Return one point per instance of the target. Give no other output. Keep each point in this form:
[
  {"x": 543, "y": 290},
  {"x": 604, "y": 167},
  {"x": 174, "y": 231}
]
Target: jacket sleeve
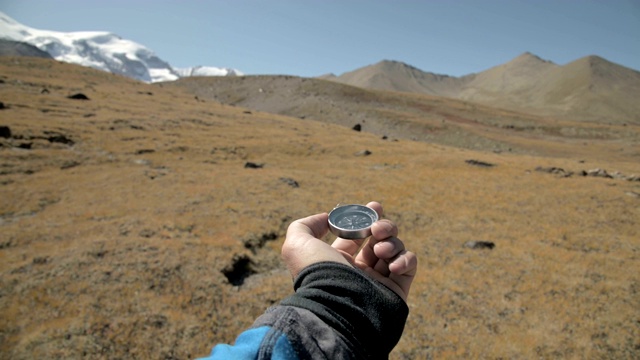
[{"x": 336, "y": 312}]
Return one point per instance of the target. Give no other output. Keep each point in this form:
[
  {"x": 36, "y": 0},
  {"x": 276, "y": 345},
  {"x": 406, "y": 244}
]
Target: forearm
[{"x": 337, "y": 312}]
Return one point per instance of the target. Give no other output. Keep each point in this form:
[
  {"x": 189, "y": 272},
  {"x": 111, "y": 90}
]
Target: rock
[
  {"x": 144, "y": 151},
  {"x": 479, "y": 245},
  {"x": 479, "y": 163},
  {"x": 363, "y": 153},
  {"x": 59, "y": 138},
  {"x": 290, "y": 182},
  {"x": 251, "y": 165},
  {"x": 357, "y": 127},
  {"x": 554, "y": 170},
  {"x": 78, "y": 96},
  {"x": 5, "y": 132},
  {"x": 597, "y": 173}
]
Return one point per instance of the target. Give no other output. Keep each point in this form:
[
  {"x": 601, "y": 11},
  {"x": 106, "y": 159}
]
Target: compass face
[{"x": 352, "y": 221}]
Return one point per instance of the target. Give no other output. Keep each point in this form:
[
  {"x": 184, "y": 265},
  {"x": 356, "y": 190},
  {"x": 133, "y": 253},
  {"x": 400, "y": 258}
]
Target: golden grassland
[{"x": 115, "y": 244}]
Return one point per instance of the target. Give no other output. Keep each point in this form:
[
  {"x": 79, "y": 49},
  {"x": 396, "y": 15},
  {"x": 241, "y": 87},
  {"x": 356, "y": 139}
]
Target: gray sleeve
[{"x": 339, "y": 312}]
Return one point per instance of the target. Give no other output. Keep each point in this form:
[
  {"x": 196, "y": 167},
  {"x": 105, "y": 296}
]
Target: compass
[{"x": 352, "y": 221}]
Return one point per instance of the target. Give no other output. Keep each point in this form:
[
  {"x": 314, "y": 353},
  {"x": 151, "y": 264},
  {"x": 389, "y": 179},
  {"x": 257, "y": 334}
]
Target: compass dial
[{"x": 352, "y": 221}]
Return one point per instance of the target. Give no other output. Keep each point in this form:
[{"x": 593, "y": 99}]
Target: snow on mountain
[
  {"x": 206, "y": 71},
  {"x": 102, "y": 50}
]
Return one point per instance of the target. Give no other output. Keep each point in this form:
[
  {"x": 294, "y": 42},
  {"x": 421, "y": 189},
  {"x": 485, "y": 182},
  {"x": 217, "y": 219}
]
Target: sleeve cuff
[{"x": 367, "y": 313}]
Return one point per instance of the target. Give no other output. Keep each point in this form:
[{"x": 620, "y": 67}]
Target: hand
[{"x": 383, "y": 257}]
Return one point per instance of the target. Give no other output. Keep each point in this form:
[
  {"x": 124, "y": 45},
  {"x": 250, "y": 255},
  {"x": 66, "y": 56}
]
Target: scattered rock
[
  {"x": 40, "y": 260},
  {"x": 554, "y": 170},
  {"x": 59, "y": 138},
  {"x": 290, "y": 182},
  {"x": 251, "y": 165},
  {"x": 156, "y": 172},
  {"x": 363, "y": 153},
  {"x": 597, "y": 173},
  {"x": 145, "y": 151},
  {"x": 78, "y": 96},
  {"x": 593, "y": 173},
  {"x": 5, "y": 132},
  {"x": 357, "y": 127},
  {"x": 479, "y": 163},
  {"x": 2, "y": 106},
  {"x": 69, "y": 165},
  {"x": 479, "y": 245}
]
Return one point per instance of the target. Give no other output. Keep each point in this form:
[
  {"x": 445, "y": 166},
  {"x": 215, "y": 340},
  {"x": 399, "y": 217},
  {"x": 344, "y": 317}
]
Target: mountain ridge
[{"x": 590, "y": 88}]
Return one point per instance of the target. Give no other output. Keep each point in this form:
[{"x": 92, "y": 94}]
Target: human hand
[{"x": 383, "y": 257}]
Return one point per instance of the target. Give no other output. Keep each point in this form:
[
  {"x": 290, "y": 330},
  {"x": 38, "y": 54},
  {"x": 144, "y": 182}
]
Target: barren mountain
[
  {"x": 398, "y": 76},
  {"x": 591, "y": 88},
  {"x": 513, "y": 79},
  {"x": 140, "y": 222}
]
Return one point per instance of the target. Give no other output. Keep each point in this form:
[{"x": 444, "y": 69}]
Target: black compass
[{"x": 352, "y": 221}]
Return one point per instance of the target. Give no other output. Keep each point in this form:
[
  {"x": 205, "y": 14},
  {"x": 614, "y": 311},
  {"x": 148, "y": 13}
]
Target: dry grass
[{"x": 116, "y": 246}]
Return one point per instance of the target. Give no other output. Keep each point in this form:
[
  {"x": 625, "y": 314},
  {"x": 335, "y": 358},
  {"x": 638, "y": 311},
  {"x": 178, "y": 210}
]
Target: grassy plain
[{"x": 125, "y": 219}]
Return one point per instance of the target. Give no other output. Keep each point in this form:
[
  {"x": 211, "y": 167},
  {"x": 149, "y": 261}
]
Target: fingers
[
  {"x": 351, "y": 247},
  {"x": 377, "y": 207},
  {"x": 386, "y": 251},
  {"x": 381, "y": 230},
  {"x": 402, "y": 271}
]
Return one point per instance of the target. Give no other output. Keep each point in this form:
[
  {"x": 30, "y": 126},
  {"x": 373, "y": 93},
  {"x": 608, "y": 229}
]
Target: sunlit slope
[{"x": 145, "y": 223}]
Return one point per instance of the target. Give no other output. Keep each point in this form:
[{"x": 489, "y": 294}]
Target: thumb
[{"x": 303, "y": 247}]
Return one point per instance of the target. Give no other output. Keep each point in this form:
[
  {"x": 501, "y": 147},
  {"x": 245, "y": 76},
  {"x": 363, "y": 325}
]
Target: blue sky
[{"x": 311, "y": 38}]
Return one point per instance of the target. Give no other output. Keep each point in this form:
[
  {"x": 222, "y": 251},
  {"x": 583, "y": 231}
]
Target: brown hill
[
  {"x": 397, "y": 115},
  {"x": 513, "y": 80},
  {"x": 591, "y": 88},
  {"x": 398, "y": 76},
  {"x": 131, "y": 227}
]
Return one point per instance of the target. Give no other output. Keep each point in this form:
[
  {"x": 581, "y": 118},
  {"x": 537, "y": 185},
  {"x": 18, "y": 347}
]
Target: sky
[{"x": 311, "y": 38}]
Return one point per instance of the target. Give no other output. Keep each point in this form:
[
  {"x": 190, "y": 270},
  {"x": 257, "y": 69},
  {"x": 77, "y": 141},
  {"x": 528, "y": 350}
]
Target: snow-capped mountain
[{"x": 102, "y": 50}]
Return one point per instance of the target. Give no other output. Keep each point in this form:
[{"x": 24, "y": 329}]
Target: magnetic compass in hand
[{"x": 352, "y": 221}]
